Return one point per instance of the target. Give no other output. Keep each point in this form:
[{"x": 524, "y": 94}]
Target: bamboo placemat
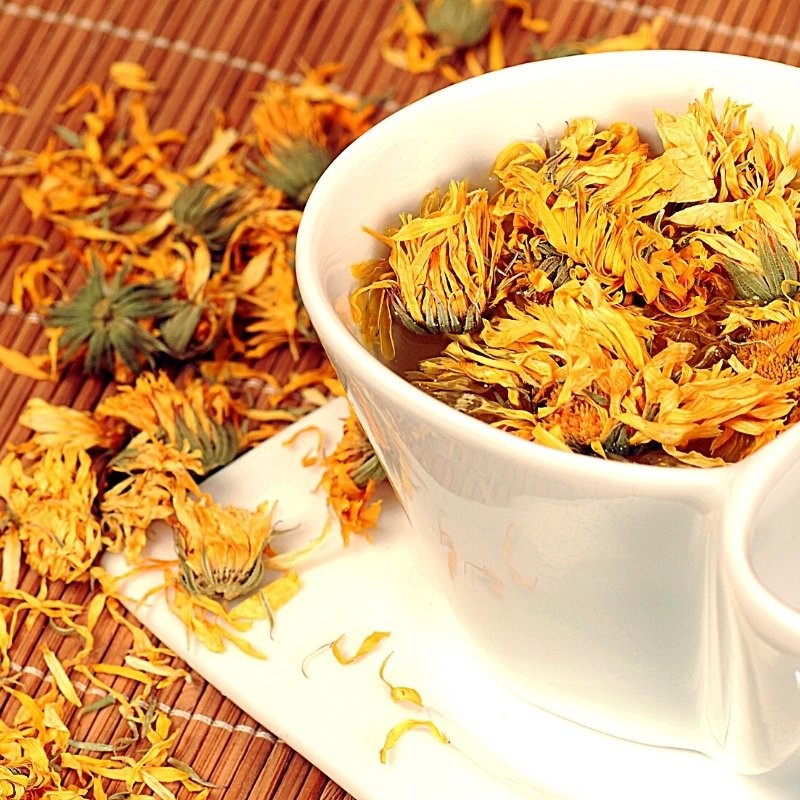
[{"x": 206, "y": 55}]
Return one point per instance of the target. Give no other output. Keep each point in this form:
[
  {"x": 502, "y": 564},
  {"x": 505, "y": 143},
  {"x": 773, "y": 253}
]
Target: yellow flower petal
[
  {"x": 11, "y": 561},
  {"x": 21, "y": 364},
  {"x": 366, "y": 647},
  {"x": 272, "y": 597},
  {"x": 129, "y": 75},
  {"x": 60, "y": 676},
  {"x": 402, "y": 728},
  {"x": 400, "y": 694}
]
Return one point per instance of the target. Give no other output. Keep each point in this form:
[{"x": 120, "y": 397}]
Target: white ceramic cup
[{"x": 654, "y": 603}]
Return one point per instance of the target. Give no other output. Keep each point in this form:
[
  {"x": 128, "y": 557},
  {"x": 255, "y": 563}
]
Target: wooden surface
[{"x": 207, "y": 54}]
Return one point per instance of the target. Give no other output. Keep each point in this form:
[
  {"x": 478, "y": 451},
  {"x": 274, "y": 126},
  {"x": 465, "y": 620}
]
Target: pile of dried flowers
[
  {"x": 188, "y": 287},
  {"x": 41, "y": 754},
  {"x": 606, "y": 299}
]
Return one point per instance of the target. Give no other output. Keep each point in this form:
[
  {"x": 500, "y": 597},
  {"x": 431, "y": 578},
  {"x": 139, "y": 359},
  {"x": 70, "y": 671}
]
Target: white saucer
[{"x": 501, "y": 747}]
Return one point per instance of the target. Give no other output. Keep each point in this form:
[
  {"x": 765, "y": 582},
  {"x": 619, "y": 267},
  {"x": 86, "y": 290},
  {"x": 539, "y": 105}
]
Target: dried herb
[
  {"x": 632, "y": 304},
  {"x": 110, "y": 319}
]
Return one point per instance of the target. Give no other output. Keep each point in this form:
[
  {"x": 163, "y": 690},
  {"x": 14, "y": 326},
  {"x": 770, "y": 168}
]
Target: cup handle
[{"x": 753, "y": 678}]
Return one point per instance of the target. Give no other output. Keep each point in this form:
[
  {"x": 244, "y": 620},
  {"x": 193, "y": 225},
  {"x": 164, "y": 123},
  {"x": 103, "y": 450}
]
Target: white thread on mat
[
  {"x": 684, "y": 20},
  {"x": 11, "y": 310},
  {"x": 46, "y": 677},
  {"x": 110, "y": 28},
  {"x": 189, "y": 716},
  {"x": 221, "y": 724}
]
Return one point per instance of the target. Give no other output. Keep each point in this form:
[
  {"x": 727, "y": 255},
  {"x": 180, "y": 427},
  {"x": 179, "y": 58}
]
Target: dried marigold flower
[
  {"x": 440, "y": 273},
  {"x": 581, "y": 422},
  {"x": 176, "y": 433},
  {"x": 352, "y": 474},
  {"x": 110, "y": 320},
  {"x": 778, "y": 275},
  {"x": 423, "y": 37},
  {"x": 405, "y": 42},
  {"x": 292, "y": 141},
  {"x": 693, "y": 412},
  {"x": 772, "y": 349},
  {"x": 143, "y": 480},
  {"x": 201, "y": 209},
  {"x": 49, "y": 503},
  {"x": 269, "y": 310},
  {"x": 221, "y": 549},
  {"x": 195, "y": 416}
]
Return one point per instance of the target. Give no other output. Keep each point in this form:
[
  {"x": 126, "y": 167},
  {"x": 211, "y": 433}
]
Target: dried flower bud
[
  {"x": 440, "y": 274},
  {"x": 221, "y": 549},
  {"x": 178, "y": 331},
  {"x": 108, "y": 320},
  {"x": 208, "y": 212},
  {"x": 352, "y": 472},
  {"x": 778, "y": 267},
  {"x": 295, "y": 169},
  {"x": 194, "y": 417},
  {"x": 292, "y": 140},
  {"x": 460, "y": 23}
]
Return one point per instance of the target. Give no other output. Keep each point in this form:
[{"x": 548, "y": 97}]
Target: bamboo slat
[{"x": 206, "y": 55}]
